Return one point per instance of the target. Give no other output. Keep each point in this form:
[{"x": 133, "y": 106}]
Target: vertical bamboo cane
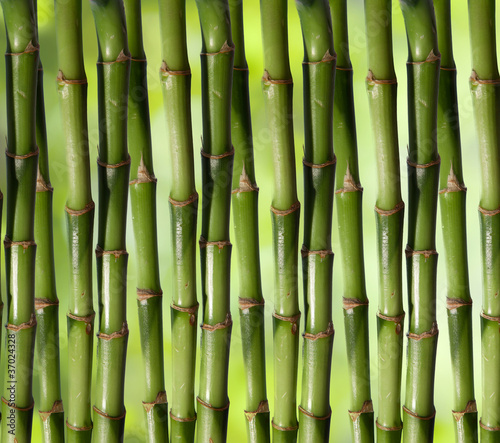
[
  {"x": 421, "y": 256},
  {"x": 113, "y": 168},
  {"x": 389, "y": 212},
  {"x": 246, "y": 230},
  {"x": 176, "y": 82},
  {"x": 349, "y": 212},
  {"x": 143, "y": 202},
  {"x": 485, "y": 83},
  {"x": 215, "y": 248},
  {"x": 20, "y": 248},
  {"x": 452, "y": 196}
]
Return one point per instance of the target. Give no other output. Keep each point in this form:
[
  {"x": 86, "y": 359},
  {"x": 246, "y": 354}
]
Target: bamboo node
[
  {"x": 327, "y": 58},
  {"x": 328, "y": 332},
  {"x": 290, "y": 210},
  {"x": 245, "y": 185},
  {"x": 8, "y": 243},
  {"x": 352, "y": 303},
  {"x": 344, "y": 68},
  {"x": 165, "y": 70},
  {"x": 427, "y": 334},
  {"x": 88, "y": 319},
  {"x": 423, "y": 165},
  {"x": 266, "y": 79},
  {"x": 349, "y": 184},
  {"x": 26, "y": 325},
  {"x": 117, "y": 334},
  {"x": 221, "y": 244},
  {"x": 413, "y": 414},
  {"x": 389, "y": 429},
  {"x": 455, "y": 303},
  {"x": 213, "y": 408},
  {"x": 57, "y": 408},
  {"x": 192, "y": 198},
  {"x": 62, "y": 80},
  {"x": 263, "y": 408},
  {"x": 109, "y": 417},
  {"x": 42, "y": 303},
  {"x": 143, "y": 175},
  {"x": 489, "y": 428},
  {"x": 240, "y": 68},
  {"x": 427, "y": 253},
  {"x": 146, "y": 294},
  {"x": 323, "y": 253},
  {"x": 17, "y": 408},
  {"x": 489, "y": 213},
  {"x": 293, "y": 320},
  {"x": 471, "y": 408},
  {"x": 311, "y": 415},
  {"x": 227, "y": 323},
  {"x": 191, "y": 310},
  {"x": 78, "y": 429},
  {"x": 218, "y": 157},
  {"x": 122, "y": 57},
  {"x": 248, "y": 303},
  {"x": 28, "y": 50},
  {"x": 115, "y": 165},
  {"x": 453, "y": 185},
  {"x": 224, "y": 49},
  {"x": 77, "y": 212},
  {"x": 396, "y": 319},
  {"x": 320, "y": 165},
  {"x": 41, "y": 184},
  {"x": 182, "y": 419},
  {"x": 367, "y": 408},
  {"x": 284, "y": 429},
  {"x": 24, "y": 156},
  {"x": 475, "y": 80},
  {"x": 161, "y": 399},
  {"x": 99, "y": 252},
  {"x": 398, "y": 208},
  {"x": 490, "y": 317},
  {"x": 431, "y": 58},
  {"x": 371, "y": 80}
]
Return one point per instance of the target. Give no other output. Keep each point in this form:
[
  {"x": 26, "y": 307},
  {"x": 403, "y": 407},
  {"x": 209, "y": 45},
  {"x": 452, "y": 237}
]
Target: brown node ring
[
  {"x": 311, "y": 415},
  {"x": 427, "y": 253},
  {"x": 323, "y": 253},
  {"x": 57, "y": 408},
  {"x": 490, "y": 317},
  {"x": 24, "y": 156},
  {"x": 293, "y": 320},
  {"x": 209, "y": 406},
  {"x": 266, "y": 78},
  {"x": 471, "y": 408},
  {"x": 17, "y": 408},
  {"x": 221, "y": 244},
  {"x": 427, "y": 334},
  {"x": 372, "y": 80},
  {"x": 161, "y": 399},
  {"x": 320, "y": 165},
  {"x": 99, "y": 252},
  {"x": 352, "y": 303},
  {"x": 86, "y": 319},
  {"x": 399, "y": 207},
  {"x": 328, "y": 332},
  {"x": 227, "y": 323},
  {"x": 26, "y": 325},
  {"x": 367, "y": 408},
  {"x": 146, "y": 294},
  {"x": 263, "y": 408},
  {"x": 109, "y": 417},
  {"x": 475, "y": 79},
  {"x": 284, "y": 429},
  {"x": 122, "y": 57},
  {"x": 218, "y": 157},
  {"x": 288, "y": 211},
  {"x": 29, "y": 49},
  {"x": 115, "y": 165},
  {"x": 8, "y": 243},
  {"x": 78, "y": 429},
  {"x": 389, "y": 429},
  {"x": 455, "y": 303},
  {"x": 225, "y": 48},
  {"x": 414, "y": 415},
  {"x": 249, "y": 303},
  {"x": 166, "y": 70},
  {"x": 117, "y": 334},
  {"x": 489, "y": 428},
  {"x": 423, "y": 165},
  {"x": 192, "y": 198},
  {"x": 181, "y": 419},
  {"x": 77, "y": 212},
  {"x": 489, "y": 213},
  {"x": 42, "y": 303}
]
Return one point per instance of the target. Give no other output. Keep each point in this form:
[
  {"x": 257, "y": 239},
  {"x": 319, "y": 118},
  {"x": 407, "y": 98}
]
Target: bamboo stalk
[
  {"x": 349, "y": 193},
  {"x": 381, "y": 85},
  {"x": 72, "y": 89},
  {"x": 421, "y": 256},
  {"x": 452, "y": 198},
  {"x": 278, "y": 90},
  {"x": 176, "y": 82},
  {"x": 484, "y": 83},
  {"x": 215, "y": 248},
  {"x": 46, "y": 302},
  {"x": 246, "y": 230},
  {"x": 22, "y": 56},
  {"x": 113, "y": 168},
  {"x": 317, "y": 256},
  {"x": 143, "y": 202}
]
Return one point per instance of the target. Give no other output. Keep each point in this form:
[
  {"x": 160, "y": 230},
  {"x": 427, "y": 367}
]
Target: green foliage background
[{"x": 340, "y": 384}]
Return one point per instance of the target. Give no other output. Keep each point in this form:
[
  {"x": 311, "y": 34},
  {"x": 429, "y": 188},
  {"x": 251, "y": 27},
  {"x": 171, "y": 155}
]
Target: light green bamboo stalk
[
  {"x": 278, "y": 90},
  {"x": 246, "y": 230},
  {"x": 485, "y": 83},
  {"x": 46, "y": 302},
  {"x": 114, "y": 163},
  {"x": 349, "y": 212},
  {"x": 389, "y": 212},
  {"x": 72, "y": 88},
  {"x": 421, "y": 256},
  {"x": 452, "y": 196},
  {"x": 143, "y": 200},
  {"x": 20, "y": 248},
  {"x": 176, "y": 82},
  {"x": 215, "y": 248},
  {"x": 317, "y": 256}
]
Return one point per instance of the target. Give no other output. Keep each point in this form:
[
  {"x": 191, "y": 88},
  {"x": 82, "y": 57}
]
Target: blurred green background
[{"x": 340, "y": 428}]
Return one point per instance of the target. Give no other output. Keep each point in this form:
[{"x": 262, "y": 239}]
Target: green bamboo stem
[
  {"x": 421, "y": 256},
  {"x": 485, "y": 82},
  {"x": 246, "y": 230},
  {"x": 113, "y": 173},
  {"x": 215, "y": 248},
  {"x": 349, "y": 194},
  {"x": 278, "y": 90},
  {"x": 381, "y": 85},
  {"x": 143, "y": 202},
  {"x": 452, "y": 197},
  {"x": 46, "y": 302},
  {"x": 176, "y": 82},
  {"x": 317, "y": 256},
  {"x": 72, "y": 89},
  {"x": 22, "y": 56}
]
